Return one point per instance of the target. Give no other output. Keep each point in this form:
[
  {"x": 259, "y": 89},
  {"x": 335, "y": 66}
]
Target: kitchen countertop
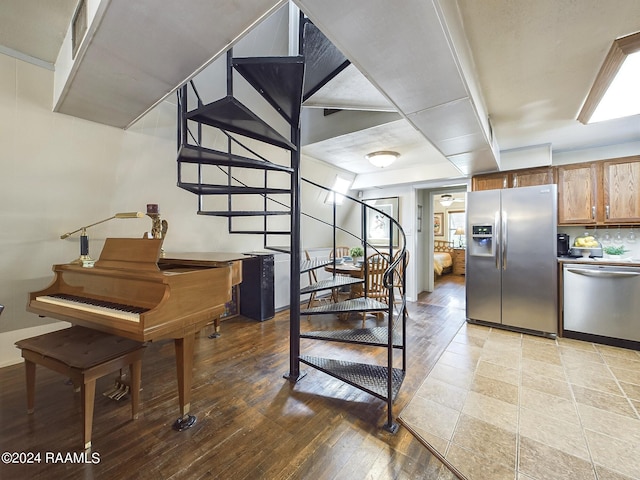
[{"x": 625, "y": 262}]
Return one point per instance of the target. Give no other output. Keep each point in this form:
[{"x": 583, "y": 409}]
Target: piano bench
[{"x": 84, "y": 355}]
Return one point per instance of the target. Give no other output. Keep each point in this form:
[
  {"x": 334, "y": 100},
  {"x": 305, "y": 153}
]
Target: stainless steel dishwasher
[{"x": 602, "y": 300}]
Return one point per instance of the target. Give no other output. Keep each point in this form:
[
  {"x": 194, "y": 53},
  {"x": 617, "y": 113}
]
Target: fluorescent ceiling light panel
[
  {"x": 614, "y": 93},
  {"x": 622, "y": 98}
]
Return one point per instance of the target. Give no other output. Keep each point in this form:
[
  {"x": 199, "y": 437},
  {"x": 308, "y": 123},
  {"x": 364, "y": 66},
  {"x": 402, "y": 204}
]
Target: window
[
  {"x": 340, "y": 186},
  {"x": 79, "y": 27},
  {"x": 457, "y": 221}
]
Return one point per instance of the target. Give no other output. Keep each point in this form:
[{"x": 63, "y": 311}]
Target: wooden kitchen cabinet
[
  {"x": 490, "y": 181},
  {"x": 621, "y": 190},
  {"x": 605, "y": 192},
  {"x": 531, "y": 177},
  {"x": 578, "y": 194},
  {"x": 602, "y": 193},
  {"x": 513, "y": 179}
]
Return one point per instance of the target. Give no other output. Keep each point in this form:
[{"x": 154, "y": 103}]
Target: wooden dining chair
[
  {"x": 377, "y": 264},
  {"x": 313, "y": 278},
  {"x": 339, "y": 252},
  {"x": 397, "y": 275}
]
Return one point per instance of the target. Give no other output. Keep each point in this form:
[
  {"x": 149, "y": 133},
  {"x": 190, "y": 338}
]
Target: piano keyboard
[{"x": 111, "y": 309}]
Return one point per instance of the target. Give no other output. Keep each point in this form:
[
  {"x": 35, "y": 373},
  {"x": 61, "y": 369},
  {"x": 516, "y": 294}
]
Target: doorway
[{"x": 443, "y": 240}]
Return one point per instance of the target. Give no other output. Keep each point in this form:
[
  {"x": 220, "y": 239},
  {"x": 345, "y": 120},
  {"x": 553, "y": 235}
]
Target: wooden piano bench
[{"x": 84, "y": 355}]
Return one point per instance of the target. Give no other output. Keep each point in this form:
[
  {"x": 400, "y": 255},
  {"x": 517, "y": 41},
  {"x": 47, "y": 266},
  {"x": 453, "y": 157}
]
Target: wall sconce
[
  {"x": 382, "y": 159},
  {"x": 84, "y": 259}
]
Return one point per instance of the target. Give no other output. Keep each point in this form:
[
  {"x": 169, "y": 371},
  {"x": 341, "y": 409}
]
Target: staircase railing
[
  {"x": 229, "y": 116},
  {"x": 394, "y": 338}
]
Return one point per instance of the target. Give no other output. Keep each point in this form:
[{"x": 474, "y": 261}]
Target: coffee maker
[{"x": 563, "y": 244}]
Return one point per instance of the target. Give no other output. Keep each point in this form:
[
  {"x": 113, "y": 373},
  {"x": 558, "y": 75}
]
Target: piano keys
[
  {"x": 110, "y": 309},
  {"x": 174, "y": 301}
]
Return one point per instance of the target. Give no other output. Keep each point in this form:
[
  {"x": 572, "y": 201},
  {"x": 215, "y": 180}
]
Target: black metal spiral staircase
[{"x": 217, "y": 152}]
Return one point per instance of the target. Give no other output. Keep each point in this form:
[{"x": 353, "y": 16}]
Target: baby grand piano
[{"x": 126, "y": 293}]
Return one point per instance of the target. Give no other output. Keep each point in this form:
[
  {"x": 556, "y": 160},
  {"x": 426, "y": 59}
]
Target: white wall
[
  {"x": 59, "y": 173},
  {"x": 407, "y": 219}
]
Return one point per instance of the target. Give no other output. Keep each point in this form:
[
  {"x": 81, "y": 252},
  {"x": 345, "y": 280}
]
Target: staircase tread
[
  {"x": 243, "y": 213},
  {"x": 208, "y": 156},
  {"x": 376, "y": 336},
  {"x": 210, "y": 189},
  {"x": 312, "y": 264},
  {"x": 333, "y": 282},
  {"x": 324, "y": 60},
  {"x": 372, "y": 379},
  {"x": 261, "y": 232},
  {"x": 229, "y": 114},
  {"x": 278, "y": 79},
  {"x": 361, "y": 304},
  {"x": 275, "y": 248}
]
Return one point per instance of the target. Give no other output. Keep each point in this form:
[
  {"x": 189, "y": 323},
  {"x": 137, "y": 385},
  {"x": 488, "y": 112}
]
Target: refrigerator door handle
[
  {"x": 496, "y": 237},
  {"x": 504, "y": 240}
]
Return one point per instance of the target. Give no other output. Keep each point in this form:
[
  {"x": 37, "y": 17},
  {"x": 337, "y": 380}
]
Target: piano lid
[{"x": 130, "y": 254}]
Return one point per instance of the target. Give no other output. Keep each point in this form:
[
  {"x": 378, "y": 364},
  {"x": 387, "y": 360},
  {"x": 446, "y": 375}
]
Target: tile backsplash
[{"x": 629, "y": 244}]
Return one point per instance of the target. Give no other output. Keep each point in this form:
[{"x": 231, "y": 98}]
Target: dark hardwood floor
[{"x": 252, "y": 423}]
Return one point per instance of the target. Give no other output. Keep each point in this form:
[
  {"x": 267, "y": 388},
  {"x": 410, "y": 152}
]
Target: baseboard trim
[{"x": 9, "y": 354}]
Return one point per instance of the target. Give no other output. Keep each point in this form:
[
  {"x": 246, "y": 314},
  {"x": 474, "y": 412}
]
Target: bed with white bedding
[{"x": 442, "y": 257}]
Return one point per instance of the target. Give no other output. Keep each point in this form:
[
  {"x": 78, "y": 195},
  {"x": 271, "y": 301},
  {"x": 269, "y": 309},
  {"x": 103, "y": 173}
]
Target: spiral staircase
[{"x": 217, "y": 161}]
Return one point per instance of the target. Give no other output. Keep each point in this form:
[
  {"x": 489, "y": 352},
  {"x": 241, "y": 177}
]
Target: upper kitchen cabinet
[
  {"x": 621, "y": 190},
  {"x": 578, "y": 194},
  {"x": 532, "y": 177},
  {"x": 513, "y": 179},
  {"x": 490, "y": 181},
  {"x": 605, "y": 192}
]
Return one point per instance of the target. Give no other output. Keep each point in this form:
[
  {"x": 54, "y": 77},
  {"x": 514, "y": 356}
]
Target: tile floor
[{"x": 502, "y": 405}]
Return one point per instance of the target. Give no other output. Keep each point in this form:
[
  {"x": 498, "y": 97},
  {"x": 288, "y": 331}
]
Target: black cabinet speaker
[{"x": 256, "y": 290}]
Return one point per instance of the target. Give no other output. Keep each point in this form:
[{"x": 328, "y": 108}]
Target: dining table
[{"x": 351, "y": 269}]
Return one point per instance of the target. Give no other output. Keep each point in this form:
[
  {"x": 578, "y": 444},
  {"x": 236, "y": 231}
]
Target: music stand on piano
[{"x": 84, "y": 259}]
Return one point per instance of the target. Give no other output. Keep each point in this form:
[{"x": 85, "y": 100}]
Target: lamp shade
[
  {"x": 382, "y": 159},
  {"x": 459, "y": 231}
]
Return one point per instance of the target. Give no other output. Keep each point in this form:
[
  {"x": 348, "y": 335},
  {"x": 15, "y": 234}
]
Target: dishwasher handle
[{"x": 602, "y": 274}]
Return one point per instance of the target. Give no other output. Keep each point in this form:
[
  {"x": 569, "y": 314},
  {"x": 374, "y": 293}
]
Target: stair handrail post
[
  {"x": 363, "y": 229},
  {"x": 404, "y": 310},
  {"x": 294, "y": 283},
  {"x": 334, "y": 223},
  {"x": 229, "y": 183},
  {"x": 230, "y": 72}
]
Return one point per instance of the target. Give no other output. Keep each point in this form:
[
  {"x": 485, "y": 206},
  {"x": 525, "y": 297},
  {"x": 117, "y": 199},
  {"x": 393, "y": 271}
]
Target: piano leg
[
  {"x": 216, "y": 328},
  {"x": 184, "y": 362}
]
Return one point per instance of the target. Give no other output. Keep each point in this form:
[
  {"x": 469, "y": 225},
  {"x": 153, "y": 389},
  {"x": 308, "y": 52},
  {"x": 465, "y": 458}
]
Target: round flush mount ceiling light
[
  {"x": 382, "y": 159},
  {"x": 446, "y": 200}
]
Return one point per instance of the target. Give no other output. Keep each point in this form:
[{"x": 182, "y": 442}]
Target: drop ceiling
[
  {"x": 34, "y": 30},
  {"x": 444, "y": 66}
]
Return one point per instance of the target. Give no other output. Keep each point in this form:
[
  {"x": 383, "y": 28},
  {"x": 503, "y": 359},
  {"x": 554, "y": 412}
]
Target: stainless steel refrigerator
[{"x": 511, "y": 272}]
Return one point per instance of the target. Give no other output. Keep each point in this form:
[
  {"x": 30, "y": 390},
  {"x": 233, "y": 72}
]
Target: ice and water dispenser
[{"x": 482, "y": 242}]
